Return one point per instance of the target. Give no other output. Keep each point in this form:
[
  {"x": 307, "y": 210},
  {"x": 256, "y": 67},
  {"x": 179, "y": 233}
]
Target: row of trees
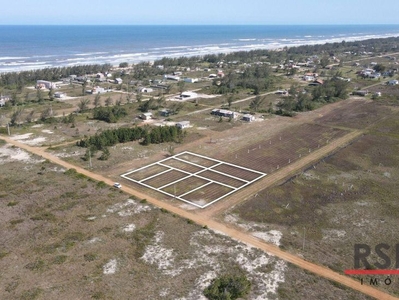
[
  {"x": 109, "y": 114},
  {"x": 332, "y": 90},
  {"x": 147, "y": 135},
  {"x": 256, "y": 77}
]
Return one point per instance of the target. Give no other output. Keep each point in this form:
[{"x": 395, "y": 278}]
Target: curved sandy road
[{"x": 236, "y": 234}]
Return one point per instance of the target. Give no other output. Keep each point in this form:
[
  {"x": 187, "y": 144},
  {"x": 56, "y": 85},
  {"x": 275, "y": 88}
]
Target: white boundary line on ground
[{"x": 195, "y": 174}]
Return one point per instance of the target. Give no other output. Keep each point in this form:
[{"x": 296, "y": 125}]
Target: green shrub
[
  {"x": 101, "y": 184},
  {"x": 228, "y": 287},
  {"x": 59, "y": 259},
  {"x": 89, "y": 256}
]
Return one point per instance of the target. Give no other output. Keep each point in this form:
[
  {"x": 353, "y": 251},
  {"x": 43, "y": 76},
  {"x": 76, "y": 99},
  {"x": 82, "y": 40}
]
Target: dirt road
[{"x": 234, "y": 233}]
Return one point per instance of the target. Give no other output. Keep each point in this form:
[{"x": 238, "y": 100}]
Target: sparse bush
[
  {"x": 36, "y": 265},
  {"x": 59, "y": 259},
  {"x": 228, "y": 287},
  {"x": 15, "y": 222},
  {"x": 3, "y": 254},
  {"x": 101, "y": 184},
  {"x": 90, "y": 256},
  {"x": 31, "y": 294}
]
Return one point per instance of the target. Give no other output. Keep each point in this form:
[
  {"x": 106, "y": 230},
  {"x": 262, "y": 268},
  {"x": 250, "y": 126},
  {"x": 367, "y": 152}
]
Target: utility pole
[
  {"x": 303, "y": 246},
  {"x": 8, "y": 128},
  {"x": 90, "y": 159}
]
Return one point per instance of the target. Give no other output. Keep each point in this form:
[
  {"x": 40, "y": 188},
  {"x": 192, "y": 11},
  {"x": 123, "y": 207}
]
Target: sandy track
[{"x": 234, "y": 233}]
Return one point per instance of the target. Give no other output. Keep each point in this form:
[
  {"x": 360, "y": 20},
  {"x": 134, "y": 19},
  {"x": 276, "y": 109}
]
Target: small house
[
  {"x": 308, "y": 78},
  {"x": 186, "y": 95},
  {"x": 190, "y": 80},
  {"x": 172, "y": 77},
  {"x": 98, "y": 90},
  {"x": 3, "y": 100},
  {"x": 393, "y": 82},
  {"x": 165, "y": 112},
  {"x": 43, "y": 84},
  {"x": 118, "y": 80},
  {"x": 183, "y": 124},
  {"x": 248, "y": 118},
  {"x": 361, "y": 93},
  {"x": 146, "y": 116},
  {"x": 224, "y": 113},
  {"x": 146, "y": 90}
]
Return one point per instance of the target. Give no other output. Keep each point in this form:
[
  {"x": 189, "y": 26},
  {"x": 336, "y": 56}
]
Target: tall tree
[
  {"x": 83, "y": 105},
  {"x": 108, "y": 102},
  {"x": 256, "y": 103},
  {"x": 97, "y": 101},
  {"x": 16, "y": 117}
]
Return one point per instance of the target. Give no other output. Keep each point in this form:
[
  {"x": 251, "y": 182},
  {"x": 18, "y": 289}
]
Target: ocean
[{"x": 36, "y": 47}]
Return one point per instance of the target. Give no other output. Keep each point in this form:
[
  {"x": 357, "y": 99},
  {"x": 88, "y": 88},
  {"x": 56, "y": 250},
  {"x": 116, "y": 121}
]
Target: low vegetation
[{"x": 228, "y": 287}]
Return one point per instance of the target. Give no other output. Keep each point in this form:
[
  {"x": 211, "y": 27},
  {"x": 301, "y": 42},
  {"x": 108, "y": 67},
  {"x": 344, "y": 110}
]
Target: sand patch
[
  {"x": 47, "y": 131},
  {"x": 94, "y": 240},
  {"x": 110, "y": 267},
  {"x": 272, "y": 236},
  {"x": 9, "y": 153},
  {"x": 25, "y": 138},
  {"x": 36, "y": 141},
  {"x": 158, "y": 255},
  {"x": 129, "y": 228},
  {"x": 333, "y": 234},
  {"x": 19, "y": 137}
]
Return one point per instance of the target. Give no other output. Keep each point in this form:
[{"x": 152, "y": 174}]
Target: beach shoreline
[{"x": 150, "y": 48}]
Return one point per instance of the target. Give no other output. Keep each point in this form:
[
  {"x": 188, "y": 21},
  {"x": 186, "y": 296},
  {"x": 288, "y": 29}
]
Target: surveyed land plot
[{"x": 193, "y": 178}]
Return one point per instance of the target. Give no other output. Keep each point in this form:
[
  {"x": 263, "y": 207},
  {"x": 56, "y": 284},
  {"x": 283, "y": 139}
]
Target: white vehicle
[{"x": 117, "y": 185}]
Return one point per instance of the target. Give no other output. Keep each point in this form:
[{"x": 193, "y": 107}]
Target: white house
[
  {"x": 190, "y": 80},
  {"x": 118, "y": 80},
  {"x": 309, "y": 78},
  {"x": 59, "y": 95},
  {"x": 146, "y": 116},
  {"x": 43, "y": 84},
  {"x": 248, "y": 118},
  {"x": 393, "y": 82},
  {"x": 183, "y": 124},
  {"x": 98, "y": 90},
  {"x": 223, "y": 113},
  {"x": 172, "y": 77},
  {"x": 187, "y": 94},
  {"x": 3, "y": 100}
]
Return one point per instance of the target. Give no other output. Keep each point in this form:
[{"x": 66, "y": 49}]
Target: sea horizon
[{"x": 28, "y": 47}]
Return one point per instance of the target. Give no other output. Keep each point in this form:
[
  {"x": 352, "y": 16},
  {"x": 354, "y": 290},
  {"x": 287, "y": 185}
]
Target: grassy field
[
  {"x": 349, "y": 197},
  {"x": 69, "y": 237}
]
